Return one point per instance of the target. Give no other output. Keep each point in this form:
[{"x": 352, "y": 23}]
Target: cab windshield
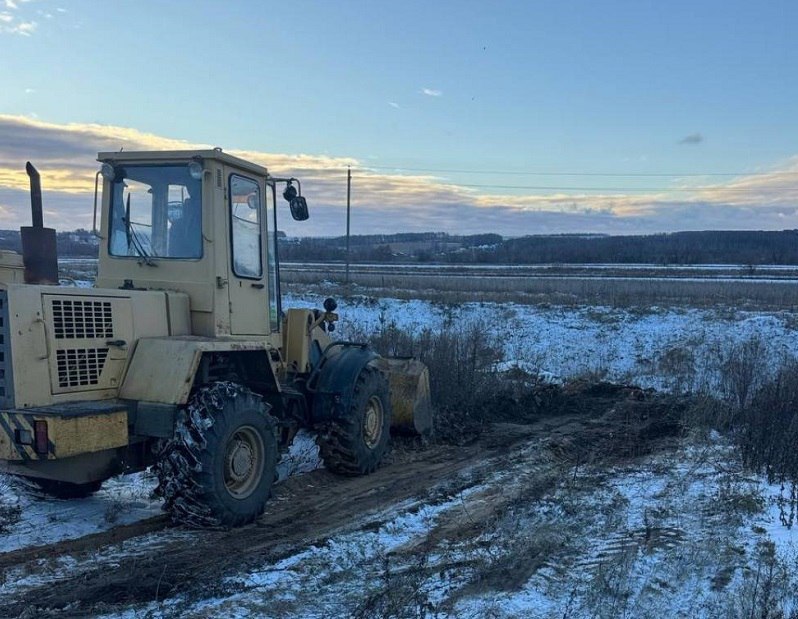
[{"x": 156, "y": 212}]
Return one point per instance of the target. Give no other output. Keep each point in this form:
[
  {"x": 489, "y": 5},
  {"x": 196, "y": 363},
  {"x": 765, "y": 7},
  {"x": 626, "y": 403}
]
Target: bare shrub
[
  {"x": 462, "y": 359},
  {"x": 677, "y": 366},
  {"x": 399, "y": 593},
  {"x": 767, "y": 591},
  {"x": 610, "y": 592},
  {"x": 743, "y": 370},
  {"x": 736, "y": 499},
  {"x": 768, "y": 429}
]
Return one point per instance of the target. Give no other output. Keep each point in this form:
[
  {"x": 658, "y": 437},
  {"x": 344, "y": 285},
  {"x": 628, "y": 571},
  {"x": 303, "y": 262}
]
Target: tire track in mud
[
  {"x": 308, "y": 509},
  {"x": 87, "y": 543},
  {"x": 305, "y": 510}
]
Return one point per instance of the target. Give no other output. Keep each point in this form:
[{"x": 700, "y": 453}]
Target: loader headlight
[
  {"x": 195, "y": 169},
  {"x": 108, "y": 171}
]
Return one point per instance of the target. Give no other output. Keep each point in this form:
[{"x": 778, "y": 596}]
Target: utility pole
[{"x": 348, "y": 210}]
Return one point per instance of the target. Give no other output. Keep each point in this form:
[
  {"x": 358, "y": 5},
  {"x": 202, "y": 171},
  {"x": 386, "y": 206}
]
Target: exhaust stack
[{"x": 39, "y": 253}]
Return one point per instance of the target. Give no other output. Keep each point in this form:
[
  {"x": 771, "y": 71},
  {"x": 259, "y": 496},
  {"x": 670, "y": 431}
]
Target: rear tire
[
  {"x": 65, "y": 489},
  {"x": 219, "y": 468},
  {"x": 356, "y": 443}
]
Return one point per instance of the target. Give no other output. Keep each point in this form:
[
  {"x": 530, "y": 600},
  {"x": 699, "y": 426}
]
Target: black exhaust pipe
[{"x": 39, "y": 254}]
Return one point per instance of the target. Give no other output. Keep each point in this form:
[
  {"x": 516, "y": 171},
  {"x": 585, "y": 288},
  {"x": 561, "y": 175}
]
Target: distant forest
[{"x": 710, "y": 247}]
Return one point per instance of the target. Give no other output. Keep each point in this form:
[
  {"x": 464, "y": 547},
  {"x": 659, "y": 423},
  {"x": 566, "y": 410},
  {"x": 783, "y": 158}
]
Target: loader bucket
[{"x": 410, "y": 396}]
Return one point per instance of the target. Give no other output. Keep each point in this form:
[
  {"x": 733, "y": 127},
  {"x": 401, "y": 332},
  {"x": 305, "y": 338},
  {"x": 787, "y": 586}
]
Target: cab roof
[{"x": 180, "y": 156}]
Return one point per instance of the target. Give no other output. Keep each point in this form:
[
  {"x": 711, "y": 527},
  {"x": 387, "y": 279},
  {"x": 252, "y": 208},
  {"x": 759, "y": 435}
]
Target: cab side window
[{"x": 245, "y": 209}]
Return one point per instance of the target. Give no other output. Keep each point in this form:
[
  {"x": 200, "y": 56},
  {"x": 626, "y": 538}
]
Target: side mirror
[{"x": 299, "y": 208}]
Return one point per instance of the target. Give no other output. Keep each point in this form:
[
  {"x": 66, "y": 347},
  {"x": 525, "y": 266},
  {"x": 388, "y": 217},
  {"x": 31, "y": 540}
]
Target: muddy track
[
  {"x": 91, "y": 542},
  {"x": 305, "y": 511}
]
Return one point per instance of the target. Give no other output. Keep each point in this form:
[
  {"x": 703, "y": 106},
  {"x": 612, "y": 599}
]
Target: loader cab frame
[{"x": 199, "y": 222}]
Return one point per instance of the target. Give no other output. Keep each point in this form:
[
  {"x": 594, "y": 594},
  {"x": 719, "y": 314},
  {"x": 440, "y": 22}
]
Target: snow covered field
[
  {"x": 663, "y": 348},
  {"x": 682, "y": 533}
]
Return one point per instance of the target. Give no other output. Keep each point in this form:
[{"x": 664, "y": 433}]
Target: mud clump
[{"x": 624, "y": 420}]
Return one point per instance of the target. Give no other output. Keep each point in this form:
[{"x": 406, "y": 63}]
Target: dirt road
[{"x": 149, "y": 561}]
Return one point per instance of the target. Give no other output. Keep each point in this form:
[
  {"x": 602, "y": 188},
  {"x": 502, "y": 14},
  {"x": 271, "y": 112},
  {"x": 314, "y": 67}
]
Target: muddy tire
[
  {"x": 65, "y": 489},
  {"x": 356, "y": 443},
  {"x": 219, "y": 468}
]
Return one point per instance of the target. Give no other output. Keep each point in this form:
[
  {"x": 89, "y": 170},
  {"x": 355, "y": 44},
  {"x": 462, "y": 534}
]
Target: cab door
[{"x": 247, "y": 288}]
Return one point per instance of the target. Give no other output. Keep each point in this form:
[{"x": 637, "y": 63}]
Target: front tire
[
  {"x": 356, "y": 443},
  {"x": 219, "y": 468}
]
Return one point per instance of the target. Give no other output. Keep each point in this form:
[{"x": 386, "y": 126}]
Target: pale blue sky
[{"x": 530, "y": 86}]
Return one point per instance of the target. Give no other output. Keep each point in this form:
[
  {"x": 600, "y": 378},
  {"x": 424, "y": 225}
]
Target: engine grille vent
[
  {"x": 80, "y": 367},
  {"x": 78, "y": 319}
]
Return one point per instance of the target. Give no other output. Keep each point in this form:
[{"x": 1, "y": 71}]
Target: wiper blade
[
  {"x": 133, "y": 239},
  {"x": 128, "y": 225}
]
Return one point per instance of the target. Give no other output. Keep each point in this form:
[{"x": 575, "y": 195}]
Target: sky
[{"x": 463, "y": 117}]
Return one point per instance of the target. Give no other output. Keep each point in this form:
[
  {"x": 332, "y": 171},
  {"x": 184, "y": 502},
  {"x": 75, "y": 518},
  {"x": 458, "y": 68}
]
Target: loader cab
[{"x": 199, "y": 222}]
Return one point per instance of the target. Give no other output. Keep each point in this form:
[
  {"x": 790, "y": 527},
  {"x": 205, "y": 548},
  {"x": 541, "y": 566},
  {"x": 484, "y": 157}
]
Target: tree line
[{"x": 707, "y": 247}]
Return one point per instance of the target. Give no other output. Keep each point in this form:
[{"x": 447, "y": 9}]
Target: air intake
[
  {"x": 80, "y": 367},
  {"x": 82, "y": 319}
]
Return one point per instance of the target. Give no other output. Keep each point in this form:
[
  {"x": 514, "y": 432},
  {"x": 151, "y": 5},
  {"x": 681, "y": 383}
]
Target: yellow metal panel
[
  {"x": 71, "y": 436},
  {"x": 179, "y": 314},
  {"x": 163, "y": 368},
  {"x": 11, "y": 268},
  {"x": 296, "y": 334},
  {"x": 81, "y": 359},
  {"x": 29, "y": 347},
  {"x": 34, "y": 347},
  {"x": 180, "y": 156},
  {"x": 68, "y": 435}
]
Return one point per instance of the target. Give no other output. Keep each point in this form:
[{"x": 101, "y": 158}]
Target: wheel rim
[
  {"x": 243, "y": 462},
  {"x": 372, "y": 422}
]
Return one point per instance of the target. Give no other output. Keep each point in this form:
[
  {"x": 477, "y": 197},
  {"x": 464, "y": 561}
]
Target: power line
[
  {"x": 599, "y": 174},
  {"x": 619, "y": 189}
]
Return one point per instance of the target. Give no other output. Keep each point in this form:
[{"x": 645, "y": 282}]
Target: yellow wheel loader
[{"x": 181, "y": 357}]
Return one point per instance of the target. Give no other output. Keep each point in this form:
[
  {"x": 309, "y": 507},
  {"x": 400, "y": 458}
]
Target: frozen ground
[
  {"x": 683, "y": 533},
  {"x": 662, "y": 348},
  {"x": 43, "y": 520},
  {"x": 29, "y": 518}
]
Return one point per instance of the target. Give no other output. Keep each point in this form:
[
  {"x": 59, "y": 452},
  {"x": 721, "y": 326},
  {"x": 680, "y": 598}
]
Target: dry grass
[{"x": 566, "y": 290}]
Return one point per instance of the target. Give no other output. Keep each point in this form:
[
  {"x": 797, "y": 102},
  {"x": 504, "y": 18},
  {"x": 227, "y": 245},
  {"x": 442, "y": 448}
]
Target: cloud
[
  {"x": 385, "y": 202},
  {"x": 29, "y": 91},
  {"x": 14, "y": 20},
  {"x": 431, "y": 92},
  {"x": 9, "y": 24},
  {"x": 692, "y": 139},
  {"x": 26, "y": 28},
  {"x": 393, "y": 104}
]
